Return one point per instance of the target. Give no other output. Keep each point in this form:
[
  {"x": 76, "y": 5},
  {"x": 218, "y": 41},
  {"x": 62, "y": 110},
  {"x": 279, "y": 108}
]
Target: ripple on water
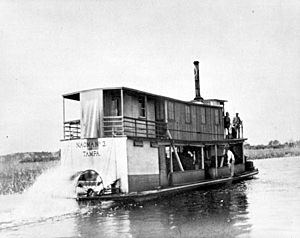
[{"x": 262, "y": 207}]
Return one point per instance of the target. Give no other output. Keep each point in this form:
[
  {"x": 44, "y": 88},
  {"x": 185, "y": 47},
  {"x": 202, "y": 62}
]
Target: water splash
[{"x": 51, "y": 196}]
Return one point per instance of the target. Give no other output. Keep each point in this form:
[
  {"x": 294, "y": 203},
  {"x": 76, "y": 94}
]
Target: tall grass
[
  {"x": 272, "y": 152},
  {"x": 15, "y": 177}
]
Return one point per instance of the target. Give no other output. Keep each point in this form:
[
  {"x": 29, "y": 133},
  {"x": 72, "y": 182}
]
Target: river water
[{"x": 266, "y": 206}]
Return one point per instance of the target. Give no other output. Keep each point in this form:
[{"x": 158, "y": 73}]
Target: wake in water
[{"x": 51, "y": 196}]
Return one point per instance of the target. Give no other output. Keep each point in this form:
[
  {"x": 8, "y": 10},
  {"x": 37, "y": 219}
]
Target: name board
[{"x": 91, "y": 147}]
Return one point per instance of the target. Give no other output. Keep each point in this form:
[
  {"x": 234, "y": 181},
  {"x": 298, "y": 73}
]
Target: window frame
[
  {"x": 217, "y": 116},
  {"x": 203, "y": 115},
  {"x": 171, "y": 112},
  {"x": 142, "y": 106},
  {"x": 187, "y": 109}
]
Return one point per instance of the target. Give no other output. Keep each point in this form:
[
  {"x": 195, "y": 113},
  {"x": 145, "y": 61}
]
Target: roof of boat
[{"x": 75, "y": 95}]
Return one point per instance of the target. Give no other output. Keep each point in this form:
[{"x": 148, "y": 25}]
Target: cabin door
[{"x": 159, "y": 118}]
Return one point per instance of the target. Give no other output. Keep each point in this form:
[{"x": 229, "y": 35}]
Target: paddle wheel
[{"x": 89, "y": 184}]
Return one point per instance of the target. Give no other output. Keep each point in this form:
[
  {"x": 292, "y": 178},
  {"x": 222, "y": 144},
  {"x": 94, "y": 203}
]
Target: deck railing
[
  {"x": 139, "y": 127},
  {"x": 113, "y": 126},
  {"x": 72, "y": 129}
]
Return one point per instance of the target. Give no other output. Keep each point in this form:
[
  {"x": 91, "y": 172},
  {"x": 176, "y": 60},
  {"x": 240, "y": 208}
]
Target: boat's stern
[{"x": 96, "y": 165}]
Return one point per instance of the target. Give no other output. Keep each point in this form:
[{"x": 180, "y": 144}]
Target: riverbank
[
  {"x": 251, "y": 153},
  {"x": 254, "y": 154},
  {"x": 29, "y": 157}
]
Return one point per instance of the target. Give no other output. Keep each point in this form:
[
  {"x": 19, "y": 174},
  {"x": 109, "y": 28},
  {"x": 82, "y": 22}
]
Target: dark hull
[{"x": 154, "y": 194}]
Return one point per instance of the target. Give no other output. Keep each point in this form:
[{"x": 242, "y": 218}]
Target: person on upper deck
[
  {"x": 237, "y": 123},
  {"x": 227, "y": 124}
]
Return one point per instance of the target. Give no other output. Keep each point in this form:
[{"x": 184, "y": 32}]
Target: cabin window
[
  {"x": 187, "y": 114},
  {"x": 115, "y": 105},
  {"x": 203, "y": 117},
  {"x": 112, "y": 102},
  {"x": 159, "y": 110},
  {"x": 171, "y": 111},
  {"x": 217, "y": 118},
  {"x": 142, "y": 109}
]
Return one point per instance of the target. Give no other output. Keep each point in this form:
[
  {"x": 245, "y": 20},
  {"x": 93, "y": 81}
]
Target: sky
[{"x": 249, "y": 53}]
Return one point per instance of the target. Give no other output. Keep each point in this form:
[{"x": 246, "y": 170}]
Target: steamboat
[{"x": 128, "y": 144}]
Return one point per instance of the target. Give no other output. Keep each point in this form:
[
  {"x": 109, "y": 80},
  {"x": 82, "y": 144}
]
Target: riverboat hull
[{"x": 163, "y": 192}]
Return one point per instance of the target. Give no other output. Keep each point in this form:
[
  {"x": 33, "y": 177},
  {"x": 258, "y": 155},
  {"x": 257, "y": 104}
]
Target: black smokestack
[{"x": 197, "y": 82}]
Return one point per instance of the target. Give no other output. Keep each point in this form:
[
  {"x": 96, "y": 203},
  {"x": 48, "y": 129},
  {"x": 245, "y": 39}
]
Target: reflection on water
[
  {"x": 195, "y": 214},
  {"x": 262, "y": 207}
]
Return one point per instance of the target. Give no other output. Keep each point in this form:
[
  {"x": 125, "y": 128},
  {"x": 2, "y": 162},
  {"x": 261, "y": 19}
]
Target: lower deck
[
  {"x": 130, "y": 165},
  {"x": 162, "y": 192}
]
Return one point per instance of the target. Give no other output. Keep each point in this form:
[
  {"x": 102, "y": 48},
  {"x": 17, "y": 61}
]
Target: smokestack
[{"x": 197, "y": 82}]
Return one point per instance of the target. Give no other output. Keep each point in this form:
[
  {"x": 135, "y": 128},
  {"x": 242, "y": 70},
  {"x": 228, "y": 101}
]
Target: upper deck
[{"x": 113, "y": 112}]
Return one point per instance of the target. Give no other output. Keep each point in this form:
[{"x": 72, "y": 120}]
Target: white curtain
[{"x": 91, "y": 109}]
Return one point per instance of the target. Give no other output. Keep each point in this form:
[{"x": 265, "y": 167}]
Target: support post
[
  {"x": 122, "y": 103},
  {"x": 64, "y": 118},
  {"x": 177, "y": 158},
  {"x": 100, "y": 115},
  {"x": 216, "y": 159},
  {"x": 175, "y": 152},
  {"x": 166, "y": 111},
  {"x": 122, "y": 111},
  {"x": 222, "y": 161},
  {"x": 241, "y": 131},
  {"x": 202, "y": 158},
  {"x": 171, "y": 159},
  {"x": 243, "y": 155}
]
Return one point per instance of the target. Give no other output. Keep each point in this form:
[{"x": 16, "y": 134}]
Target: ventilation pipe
[{"x": 197, "y": 82}]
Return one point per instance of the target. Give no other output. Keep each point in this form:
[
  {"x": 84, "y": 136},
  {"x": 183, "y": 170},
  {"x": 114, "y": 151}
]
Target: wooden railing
[
  {"x": 139, "y": 127},
  {"x": 195, "y": 135},
  {"x": 72, "y": 129},
  {"x": 113, "y": 126}
]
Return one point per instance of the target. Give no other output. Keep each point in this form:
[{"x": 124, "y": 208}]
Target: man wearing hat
[{"x": 237, "y": 122}]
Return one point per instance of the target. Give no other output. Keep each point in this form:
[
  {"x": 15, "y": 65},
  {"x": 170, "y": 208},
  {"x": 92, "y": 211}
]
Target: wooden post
[
  {"x": 202, "y": 157},
  {"x": 171, "y": 159},
  {"x": 177, "y": 158},
  {"x": 175, "y": 151},
  {"x": 166, "y": 111},
  {"x": 222, "y": 161},
  {"x": 122, "y": 111},
  {"x": 64, "y": 118},
  {"x": 146, "y": 128},
  {"x": 195, "y": 160},
  {"x": 146, "y": 99},
  {"x": 243, "y": 155},
  {"x": 216, "y": 159},
  {"x": 122, "y": 103},
  {"x": 101, "y": 114},
  {"x": 241, "y": 131}
]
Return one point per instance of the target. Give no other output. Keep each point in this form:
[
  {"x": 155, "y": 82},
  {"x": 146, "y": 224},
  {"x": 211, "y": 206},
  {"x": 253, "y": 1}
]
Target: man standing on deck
[
  {"x": 237, "y": 122},
  {"x": 230, "y": 159},
  {"x": 227, "y": 125}
]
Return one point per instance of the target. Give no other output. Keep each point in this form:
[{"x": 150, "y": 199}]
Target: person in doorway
[
  {"x": 237, "y": 123},
  {"x": 227, "y": 125},
  {"x": 230, "y": 160}
]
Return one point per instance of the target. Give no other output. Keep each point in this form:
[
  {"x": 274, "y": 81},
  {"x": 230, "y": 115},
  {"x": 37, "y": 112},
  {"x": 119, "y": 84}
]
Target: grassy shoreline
[
  {"x": 31, "y": 157},
  {"x": 251, "y": 153},
  {"x": 268, "y": 153}
]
